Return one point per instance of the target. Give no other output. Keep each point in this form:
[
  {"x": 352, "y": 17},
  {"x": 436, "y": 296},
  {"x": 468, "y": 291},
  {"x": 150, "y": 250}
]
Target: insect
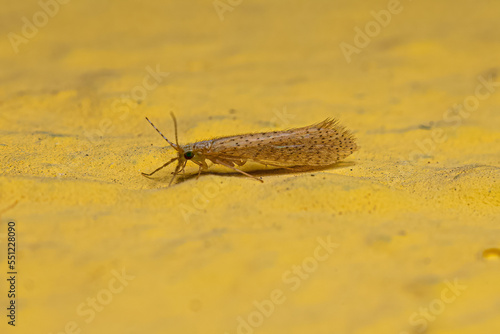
[{"x": 320, "y": 144}]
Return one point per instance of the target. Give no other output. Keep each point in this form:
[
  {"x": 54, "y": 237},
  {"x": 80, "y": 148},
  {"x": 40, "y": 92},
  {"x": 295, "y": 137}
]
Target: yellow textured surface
[{"x": 413, "y": 215}]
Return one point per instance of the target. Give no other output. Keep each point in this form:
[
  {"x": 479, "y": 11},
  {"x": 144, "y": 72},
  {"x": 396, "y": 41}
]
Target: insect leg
[
  {"x": 157, "y": 169},
  {"x": 203, "y": 165},
  {"x": 184, "y": 169},
  {"x": 200, "y": 164},
  {"x": 238, "y": 170},
  {"x": 271, "y": 164},
  {"x": 199, "y": 169},
  {"x": 177, "y": 168},
  {"x": 241, "y": 162}
]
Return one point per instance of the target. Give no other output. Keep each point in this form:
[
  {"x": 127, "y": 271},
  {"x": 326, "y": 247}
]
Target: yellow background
[{"x": 416, "y": 207}]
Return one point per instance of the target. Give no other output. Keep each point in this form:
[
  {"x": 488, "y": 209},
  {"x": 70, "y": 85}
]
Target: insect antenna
[
  {"x": 175, "y": 146},
  {"x": 175, "y": 127}
]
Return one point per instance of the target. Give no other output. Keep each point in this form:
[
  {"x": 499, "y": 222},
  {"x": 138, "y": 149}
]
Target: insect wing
[{"x": 317, "y": 145}]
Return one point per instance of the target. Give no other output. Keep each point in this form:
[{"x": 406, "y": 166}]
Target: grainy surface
[{"x": 414, "y": 210}]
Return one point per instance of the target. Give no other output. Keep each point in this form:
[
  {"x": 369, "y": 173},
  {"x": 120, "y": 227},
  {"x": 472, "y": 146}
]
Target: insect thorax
[{"x": 198, "y": 146}]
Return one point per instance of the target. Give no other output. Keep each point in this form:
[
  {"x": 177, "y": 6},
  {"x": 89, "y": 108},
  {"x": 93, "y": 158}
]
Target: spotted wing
[{"x": 316, "y": 145}]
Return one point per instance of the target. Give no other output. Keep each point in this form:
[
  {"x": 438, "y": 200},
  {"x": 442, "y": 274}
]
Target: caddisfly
[{"x": 320, "y": 144}]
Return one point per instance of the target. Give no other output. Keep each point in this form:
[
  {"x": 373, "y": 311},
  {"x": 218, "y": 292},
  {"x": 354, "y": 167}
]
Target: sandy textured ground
[{"x": 402, "y": 237}]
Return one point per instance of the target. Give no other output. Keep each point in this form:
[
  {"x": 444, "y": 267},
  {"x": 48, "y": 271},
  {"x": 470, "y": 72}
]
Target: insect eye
[{"x": 188, "y": 155}]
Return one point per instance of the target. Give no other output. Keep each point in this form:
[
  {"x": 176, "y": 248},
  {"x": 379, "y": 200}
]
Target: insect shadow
[{"x": 258, "y": 172}]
